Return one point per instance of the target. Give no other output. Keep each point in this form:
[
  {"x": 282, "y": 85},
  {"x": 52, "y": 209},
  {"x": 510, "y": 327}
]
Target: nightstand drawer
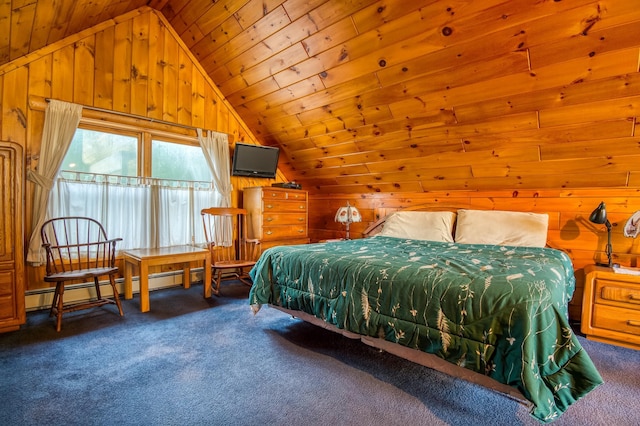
[
  {"x": 617, "y": 294},
  {"x": 616, "y": 319}
]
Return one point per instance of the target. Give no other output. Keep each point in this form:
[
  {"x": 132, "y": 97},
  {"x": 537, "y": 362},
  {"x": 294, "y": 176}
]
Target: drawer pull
[
  {"x": 633, "y": 323},
  {"x": 300, "y": 231},
  {"x": 301, "y": 207},
  {"x": 634, "y": 296},
  {"x": 269, "y": 206},
  {"x": 273, "y": 194},
  {"x": 269, "y": 232},
  {"x": 269, "y": 219},
  {"x": 301, "y": 219}
]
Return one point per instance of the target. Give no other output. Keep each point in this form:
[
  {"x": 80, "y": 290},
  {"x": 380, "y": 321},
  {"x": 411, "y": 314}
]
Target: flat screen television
[{"x": 255, "y": 161}]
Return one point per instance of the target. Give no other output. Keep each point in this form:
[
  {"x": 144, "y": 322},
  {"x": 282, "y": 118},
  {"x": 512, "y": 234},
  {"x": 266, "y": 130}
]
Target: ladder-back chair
[
  {"x": 77, "y": 249},
  {"x": 225, "y": 231}
]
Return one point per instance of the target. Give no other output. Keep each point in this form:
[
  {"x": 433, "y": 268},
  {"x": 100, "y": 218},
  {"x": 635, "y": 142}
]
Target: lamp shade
[
  {"x": 348, "y": 214},
  {"x": 599, "y": 215}
]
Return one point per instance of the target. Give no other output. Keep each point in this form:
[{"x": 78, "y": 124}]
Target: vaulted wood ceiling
[{"x": 397, "y": 95}]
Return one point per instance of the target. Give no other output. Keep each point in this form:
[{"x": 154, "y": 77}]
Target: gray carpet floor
[{"x": 196, "y": 361}]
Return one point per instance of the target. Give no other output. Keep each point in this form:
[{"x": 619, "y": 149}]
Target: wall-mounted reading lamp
[{"x": 599, "y": 216}]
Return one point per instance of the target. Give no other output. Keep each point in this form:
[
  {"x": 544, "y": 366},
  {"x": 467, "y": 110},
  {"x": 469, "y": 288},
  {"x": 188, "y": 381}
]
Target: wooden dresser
[
  {"x": 611, "y": 307},
  {"x": 277, "y": 216},
  {"x": 12, "y": 310}
]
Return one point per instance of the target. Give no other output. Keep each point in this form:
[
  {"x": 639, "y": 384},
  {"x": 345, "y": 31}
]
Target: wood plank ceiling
[{"x": 395, "y": 95}]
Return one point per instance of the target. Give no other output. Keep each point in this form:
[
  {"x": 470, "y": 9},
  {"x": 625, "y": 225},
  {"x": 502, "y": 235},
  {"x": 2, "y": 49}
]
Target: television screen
[{"x": 255, "y": 161}]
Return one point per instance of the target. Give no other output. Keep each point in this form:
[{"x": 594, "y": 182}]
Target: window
[
  {"x": 151, "y": 200},
  {"x": 92, "y": 151},
  {"x": 191, "y": 165}
]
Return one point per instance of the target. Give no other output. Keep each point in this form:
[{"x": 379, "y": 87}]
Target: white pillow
[
  {"x": 417, "y": 225},
  {"x": 502, "y": 228}
]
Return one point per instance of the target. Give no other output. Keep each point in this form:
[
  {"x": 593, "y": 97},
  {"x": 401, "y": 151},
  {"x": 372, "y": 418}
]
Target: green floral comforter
[{"x": 499, "y": 311}]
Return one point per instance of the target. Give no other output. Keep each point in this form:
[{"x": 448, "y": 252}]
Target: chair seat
[{"x": 80, "y": 274}]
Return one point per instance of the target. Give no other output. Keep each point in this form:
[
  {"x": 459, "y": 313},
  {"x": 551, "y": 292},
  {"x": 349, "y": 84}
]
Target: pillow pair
[{"x": 473, "y": 227}]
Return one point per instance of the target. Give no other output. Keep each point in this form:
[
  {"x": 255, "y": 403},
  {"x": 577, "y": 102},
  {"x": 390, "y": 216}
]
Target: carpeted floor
[{"x": 195, "y": 361}]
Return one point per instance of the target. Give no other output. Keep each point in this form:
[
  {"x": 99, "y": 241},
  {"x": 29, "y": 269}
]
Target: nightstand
[{"x": 611, "y": 307}]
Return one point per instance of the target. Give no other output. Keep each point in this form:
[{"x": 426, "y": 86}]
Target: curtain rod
[{"x": 137, "y": 117}]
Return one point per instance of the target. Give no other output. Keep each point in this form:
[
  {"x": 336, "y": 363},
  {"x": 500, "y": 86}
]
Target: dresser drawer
[
  {"x": 615, "y": 293},
  {"x": 275, "y": 218},
  {"x": 275, "y": 194},
  {"x": 283, "y": 232},
  {"x": 284, "y": 206},
  {"x": 616, "y": 319}
]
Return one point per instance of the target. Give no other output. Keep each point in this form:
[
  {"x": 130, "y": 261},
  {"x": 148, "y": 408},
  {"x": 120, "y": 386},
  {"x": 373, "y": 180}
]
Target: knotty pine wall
[
  {"x": 134, "y": 64},
  {"x": 569, "y": 226}
]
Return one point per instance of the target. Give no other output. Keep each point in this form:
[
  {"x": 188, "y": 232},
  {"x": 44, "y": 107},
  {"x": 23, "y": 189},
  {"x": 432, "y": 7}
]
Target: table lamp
[{"x": 348, "y": 214}]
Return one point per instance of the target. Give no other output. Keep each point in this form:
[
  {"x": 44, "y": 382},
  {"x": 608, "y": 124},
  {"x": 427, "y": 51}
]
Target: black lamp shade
[{"x": 599, "y": 215}]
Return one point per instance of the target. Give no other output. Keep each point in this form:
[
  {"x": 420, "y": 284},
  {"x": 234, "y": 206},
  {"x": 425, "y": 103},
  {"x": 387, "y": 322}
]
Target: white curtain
[
  {"x": 215, "y": 147},
  {"x": 60, "y": 124},
  {"x": 144, "y": 212}
]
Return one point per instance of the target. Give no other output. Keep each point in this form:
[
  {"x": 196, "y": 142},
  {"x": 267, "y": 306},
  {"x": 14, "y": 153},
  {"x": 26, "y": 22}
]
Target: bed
[{"x": 472, "y": 293}]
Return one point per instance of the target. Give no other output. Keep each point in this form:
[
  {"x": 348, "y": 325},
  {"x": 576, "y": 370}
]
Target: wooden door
[{"x": 12, "y": 309}]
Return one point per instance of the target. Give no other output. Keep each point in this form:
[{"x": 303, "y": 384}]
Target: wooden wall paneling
[
  {"x": 279, "y": 97},
  {"x": 373, "y": 16},
  {"x": 122, "y": 51},
  {"x": 84, "y": 70},
  {"x": 218, "y": 33},
  {"x": 590, "y": 112},
  {"x": 609, "y": 147},
  {"x": 268, "y": 24},
  {"x": 185, "y": 74},
  {"x": 45, "y": 15},
  {"x": 619, "y": 85},
  {"x": 104, "y": 69},
  {"x": 155, "y": 90},
  {"x": 197, "y": 98},
  {"x": 21, "y": 26},
  {"x": 256, "y": 91},
  {"x": 551, "y": 136},
  {"x": 84, "y": 11},
  {"x": 594, "y": 43},
  {"x": 40, "y": 77},
  {"x": 140, "y": 65},
  {"x": 62, "y": 74},
  {"x": 329, "y": 37},
  {"x": 223, "y": 118},
  {"x": 170, "y": 78},
  {"x": 5, "y": 31},
  {"x": 14, "y": 106},
  {"x": 297, "y": 8},
  {"x": 284, "y": 59},
  {"x": 211, "y": 105},
  {"x": 62, "y": 17},
  {"x": 276, "y": 42},
  {"x": 595, "y": 180}
]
